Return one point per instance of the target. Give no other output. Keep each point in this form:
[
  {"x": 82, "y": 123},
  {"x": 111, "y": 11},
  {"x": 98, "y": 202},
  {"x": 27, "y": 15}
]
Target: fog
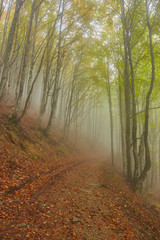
[{"x": 92, "y": 122}]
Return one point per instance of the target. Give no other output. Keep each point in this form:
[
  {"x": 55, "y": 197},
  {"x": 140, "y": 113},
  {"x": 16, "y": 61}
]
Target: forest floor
[{"x": 48, "y": 190}]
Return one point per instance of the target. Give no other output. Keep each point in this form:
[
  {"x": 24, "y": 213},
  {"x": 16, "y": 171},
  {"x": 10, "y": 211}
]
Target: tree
[
  {"x": 18, "y": 6},
  {"x": 24, "y": 63}
]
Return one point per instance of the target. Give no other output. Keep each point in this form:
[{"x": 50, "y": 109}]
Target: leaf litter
[{"x": 50, "y": 192}]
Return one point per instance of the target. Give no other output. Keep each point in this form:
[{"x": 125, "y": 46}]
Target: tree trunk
[
  {"x": 1, "y": 9},
  {"x": 19, "y": 4},
  {"x": 33, "y": 52},
  {"x": 6, "y": 26},
  {"x": 24, "y": 64},
  {"x": 146, "y": 144},
  {"x": 134, "y": 116},
  {"x": 31, "y": 89},
  {"x": 110, "y": 112},
  {"x": 69, "y": 105},
  {"x": 57, "y": 76},
  {"x": 122, "y": 130},
  {"x": 127, "y": 98}
]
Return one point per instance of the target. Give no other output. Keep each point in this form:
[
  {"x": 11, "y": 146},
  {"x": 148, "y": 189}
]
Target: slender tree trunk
[
  {"x": 152, "y": 166},
  {"x": 49, "y": 62},
  {"x": 31, "y": 89},
  {"x": 57, "y": 76},
  {"x": 46, "y": 77},
  {"x": 5, "y": 26},
  {"x": 146, "y": 144},
  {"x": 134, "y": 116},
  {"x": 76, "y": 116},
  {"x": 96, "y": 132},
  {"x": 24, "y": 64},
  {"x": 44, "y": 99},
  {"x": 14, "y": 62},
  {"x": 110, "y": 111},
  {"x": 122, "y": 130},
  {"x": 1, "y": 8},
  {"x": 33, "y": 52},
  {"x": 67, "y": 121},
  {"x": 159, "y": 159},
  {"x": 19, "y": 3},
  {"x": 127, "y": 98}
]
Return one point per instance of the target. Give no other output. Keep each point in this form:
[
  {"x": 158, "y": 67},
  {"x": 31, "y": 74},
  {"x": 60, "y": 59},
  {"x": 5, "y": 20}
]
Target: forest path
[{"x": 85, "y": 201}]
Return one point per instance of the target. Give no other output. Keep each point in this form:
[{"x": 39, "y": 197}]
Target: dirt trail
[
  {"x": 83, "y": 203},
  {"x": 50, "y": 191}
]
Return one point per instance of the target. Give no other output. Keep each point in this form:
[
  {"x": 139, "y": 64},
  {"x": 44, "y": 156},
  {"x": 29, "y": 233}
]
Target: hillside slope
[{"x": 50, "y": 191}]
